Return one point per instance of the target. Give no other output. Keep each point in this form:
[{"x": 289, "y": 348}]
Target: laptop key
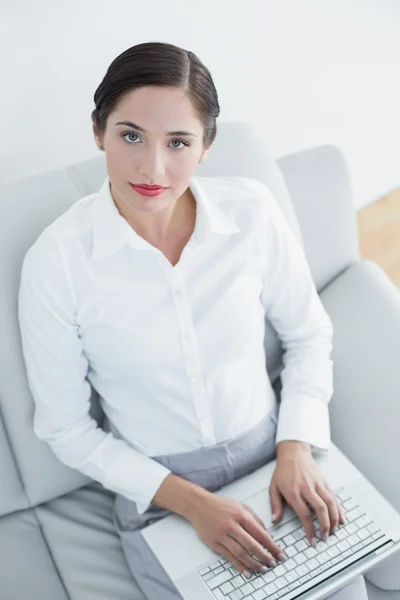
[
  {"x": 258, "y": 583},
  {"x": 363, "y": 521},
  {"x": 354, "y": 514},
  {"x": 363, "y": 534},
  {"x": 279, "y": 570},
  {"x": 298, "y": 533},
  {"x": 372, "y": 527},
  {"x": 332, "y": 540},
  {"x": 290, "y": 576},
  {"x": 341, "y": 533},
  {"x": 259, "y": 595},
  {"x": 300, "y": 558},
  {"x": 290, "y": 564},
  {"x": 332, "y": 552},
  {"x": 290, "y": 551},
  {"x": 301, "y": 570},
  {"x": 247, "y": 589},
  {"x": 343, "y": 545},
  {"x": 268, "y": 577},
  {"x": 301, "y": 545},
  {"x": 289, "y": 539},
  {"x": 310, "y": 552},
  {"x": 236, "y": 595},
  {"x": 280, "y": 583},
  {"x": 349, "y": 504},
  {"x": 217, "y": 580},
  {"x": 294, "y": 585},
  {"x": 226, "y": 588},
  {"x": 269, "y": 589},
  {"x": 237, "y": 581}
]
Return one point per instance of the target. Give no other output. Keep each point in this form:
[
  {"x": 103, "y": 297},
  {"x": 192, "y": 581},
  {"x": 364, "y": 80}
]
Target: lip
[{"x": 146, "y": 190}]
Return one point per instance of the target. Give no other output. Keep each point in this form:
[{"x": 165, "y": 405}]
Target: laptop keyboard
[{"x": 304, "y": 566}]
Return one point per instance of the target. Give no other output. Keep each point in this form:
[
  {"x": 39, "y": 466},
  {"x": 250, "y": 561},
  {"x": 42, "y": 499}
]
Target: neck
[{"x": 158, "y": 228}]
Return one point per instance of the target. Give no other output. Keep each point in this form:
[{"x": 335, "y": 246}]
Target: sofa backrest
[{"x": 30, "y": 472}]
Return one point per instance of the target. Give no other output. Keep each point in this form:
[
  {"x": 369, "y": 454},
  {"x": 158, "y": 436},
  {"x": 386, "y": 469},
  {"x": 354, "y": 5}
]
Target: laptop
[{"x": 370, "y": 534}]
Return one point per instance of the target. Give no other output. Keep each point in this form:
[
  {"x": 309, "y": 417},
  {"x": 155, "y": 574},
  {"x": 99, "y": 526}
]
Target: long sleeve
[
  {"x": 56, "y": 369},
  {"x": 293, "y": 307}
]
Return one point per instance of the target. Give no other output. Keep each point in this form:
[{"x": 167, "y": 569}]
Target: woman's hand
[
  {"x": 298, "y": 481},
  {"x": 233, "y": 530}
]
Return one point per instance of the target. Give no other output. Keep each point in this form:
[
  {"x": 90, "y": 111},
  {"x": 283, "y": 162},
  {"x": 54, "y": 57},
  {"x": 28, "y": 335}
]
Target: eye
[
  {"x": 126, "y": 135},
  {"x": 180, "y": 142}
]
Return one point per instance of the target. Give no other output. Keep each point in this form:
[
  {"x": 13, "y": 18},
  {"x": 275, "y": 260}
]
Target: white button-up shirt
[{"x": 176, "y": 353}]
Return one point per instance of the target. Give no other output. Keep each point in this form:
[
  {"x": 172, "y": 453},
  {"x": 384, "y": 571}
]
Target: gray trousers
[{"x": 211, "y": 468}]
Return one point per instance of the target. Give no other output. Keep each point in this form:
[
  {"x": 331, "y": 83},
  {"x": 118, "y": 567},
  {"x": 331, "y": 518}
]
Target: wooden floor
[{"x": 379, "y": 231}]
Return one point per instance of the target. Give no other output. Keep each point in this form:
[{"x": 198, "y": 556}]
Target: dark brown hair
[{"x": 159, "y": 64}]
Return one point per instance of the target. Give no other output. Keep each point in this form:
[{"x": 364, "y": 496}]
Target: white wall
[{"x": 303, "y": 72}]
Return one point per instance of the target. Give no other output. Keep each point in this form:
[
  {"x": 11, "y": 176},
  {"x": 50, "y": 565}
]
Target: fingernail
[
  {"x": 273, "y": 563},
  {"x": 281, "y": 556},
  {"x": 325, "y": 536},
  {"x": 313, "y": 542},
  {"x": 264, "y": 569},
  {"x": 273, "y": 516},
  {"x": 334, "y": 529},
  {"x": 247, "y": 573}
]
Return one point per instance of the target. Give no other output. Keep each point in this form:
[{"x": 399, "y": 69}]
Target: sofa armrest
[
  {"x": 364, "y": 305},
  {"x": 319, "y": 183}
]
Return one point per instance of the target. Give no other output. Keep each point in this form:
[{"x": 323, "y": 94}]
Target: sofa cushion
[
  {"x": 12, "y": 495},
  {"x": 27, "y": 569},
  {"x": 85, "y": 547}
]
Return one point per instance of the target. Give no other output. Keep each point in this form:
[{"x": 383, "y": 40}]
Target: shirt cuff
[
  {"x": 137, "y": 477},
  {"x": 304, "y": 419},
  {"x": 144, "y": 501}
]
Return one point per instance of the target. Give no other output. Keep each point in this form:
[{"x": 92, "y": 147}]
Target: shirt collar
[{"x": 111, "y": 231}]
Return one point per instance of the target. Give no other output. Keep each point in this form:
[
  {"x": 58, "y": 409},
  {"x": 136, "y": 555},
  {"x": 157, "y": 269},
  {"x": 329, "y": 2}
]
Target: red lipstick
[{"x": 148, "y": 190}]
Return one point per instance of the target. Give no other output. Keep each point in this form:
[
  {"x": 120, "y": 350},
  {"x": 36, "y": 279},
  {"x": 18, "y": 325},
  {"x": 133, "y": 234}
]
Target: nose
[{"x": 152, "y": 165}]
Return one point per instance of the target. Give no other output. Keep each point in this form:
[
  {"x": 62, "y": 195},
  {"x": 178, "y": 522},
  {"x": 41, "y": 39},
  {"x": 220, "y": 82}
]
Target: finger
[
  {"x": 321, "y": 509},
  {"x": 332, "y": 506},
  {"x": 242, "y": 555},
  {"x": 240, "y": 566},
  {"x": 342, "y": 518},
  {"x": 252, "y": 547},
  {"x": 298, "y": 503},
  {"x": 276, "y": 502},
  {"x": 261, "y": 535}
]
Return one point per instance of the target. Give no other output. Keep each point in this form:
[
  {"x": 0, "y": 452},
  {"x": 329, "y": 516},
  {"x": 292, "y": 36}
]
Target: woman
[{"x": 158, "y": 298}]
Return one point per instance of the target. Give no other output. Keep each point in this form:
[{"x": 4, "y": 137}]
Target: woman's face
[{"x": 151, "y": 155}]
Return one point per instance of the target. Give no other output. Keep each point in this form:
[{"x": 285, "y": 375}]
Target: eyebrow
[{"x": 134, "y": 126}]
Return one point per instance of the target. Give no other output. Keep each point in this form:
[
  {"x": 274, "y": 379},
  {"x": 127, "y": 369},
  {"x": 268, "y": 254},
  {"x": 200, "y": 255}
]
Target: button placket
[{"x": 192, "y": 360}]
